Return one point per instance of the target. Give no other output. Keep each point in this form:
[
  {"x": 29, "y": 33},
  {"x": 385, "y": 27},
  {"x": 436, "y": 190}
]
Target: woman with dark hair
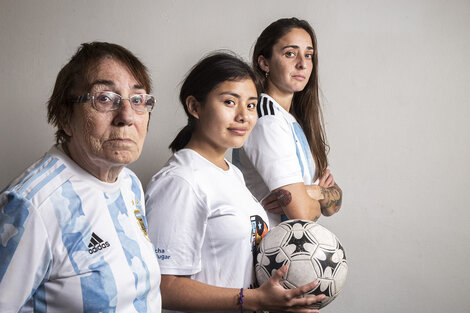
[
  {"x": 203, "y": 221},
  {"x": 284, "y": 160}
]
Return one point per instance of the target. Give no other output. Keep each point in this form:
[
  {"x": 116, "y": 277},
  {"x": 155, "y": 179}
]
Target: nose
[
  {"x": 242, "y": 112},
  {"x": 301, "y": 61},
  {"x": 125, "y": 115}
]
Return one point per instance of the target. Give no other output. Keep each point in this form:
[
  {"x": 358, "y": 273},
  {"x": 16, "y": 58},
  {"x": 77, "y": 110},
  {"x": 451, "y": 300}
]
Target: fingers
[
  {"x": 330, "y": 182},
  {"x": 301, "y": 310},
  {"x": 327, "y": 180},
  {"x": 300, "y": 291},
  {"x": 330, "y": 179},
  {"x": 277, "y": 210},
  {"x": 276, "y": 201},
  {"x": 305, "y": 304},
  {"x": 325, "y": 175},
  {"x": 323, "y": 178},
  {"x": 279, "y": 273},
  {"x": 271, "y": 198},
  {"x": 296, "y": 292},
  {"x": 290, "y": 300},
  {"x": 272, "y": 206}
]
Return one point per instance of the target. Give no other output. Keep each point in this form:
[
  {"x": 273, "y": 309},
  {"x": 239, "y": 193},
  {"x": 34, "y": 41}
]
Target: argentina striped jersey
[{"x": 72, "y": 243}]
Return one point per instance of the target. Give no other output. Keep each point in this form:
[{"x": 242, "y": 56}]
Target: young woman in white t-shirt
[
  {"x": 203, "y": 221},
  {"x": 285, "y": 159}
]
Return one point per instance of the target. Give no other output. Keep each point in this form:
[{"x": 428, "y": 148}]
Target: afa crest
[{"x": 141, "y": 219}]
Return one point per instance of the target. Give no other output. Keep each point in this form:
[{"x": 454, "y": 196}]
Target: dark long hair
[
  {"x": 305, "y": 104},
  {"x": 206, "y": 75},
  {"x": 74, "y": 79}
]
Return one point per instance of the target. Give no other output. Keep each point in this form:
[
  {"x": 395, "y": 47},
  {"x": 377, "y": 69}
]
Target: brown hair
[
  {"x": 305, "y": 104},
  {"x": 75, "y": 77}
]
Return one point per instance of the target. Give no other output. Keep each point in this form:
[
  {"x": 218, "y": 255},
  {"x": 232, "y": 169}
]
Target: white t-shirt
[
  {"x": 203, "y": 221},
  {"x": 72, "y": 243},
  {"x": 275, "y": 154}
]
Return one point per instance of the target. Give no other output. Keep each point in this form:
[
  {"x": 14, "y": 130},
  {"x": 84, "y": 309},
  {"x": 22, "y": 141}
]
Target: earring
[{"x": 266, "y": 74}]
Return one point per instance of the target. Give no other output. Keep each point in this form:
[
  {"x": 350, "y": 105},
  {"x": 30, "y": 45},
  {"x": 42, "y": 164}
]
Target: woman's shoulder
[
  {"x": 184, "y": 164},
  {"x": 269, "y": 111},
  {"x": 267, "y": 107},
  {"x": 177, "y": 165}
]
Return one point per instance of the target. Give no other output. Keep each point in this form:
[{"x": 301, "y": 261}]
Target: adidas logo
[{"x": 96, "y": 244}]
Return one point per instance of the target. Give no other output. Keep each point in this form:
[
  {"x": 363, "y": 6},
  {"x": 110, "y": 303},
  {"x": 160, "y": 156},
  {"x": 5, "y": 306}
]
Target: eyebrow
[
  {"x": 295, "y": 47},
  {"x": 110, "y": 83},
  {"x": 103, "y": 82},
  {"x": 236, "y": 95}
]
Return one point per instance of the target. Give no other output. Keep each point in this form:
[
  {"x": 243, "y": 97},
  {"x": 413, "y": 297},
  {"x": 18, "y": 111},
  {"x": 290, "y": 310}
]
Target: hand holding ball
[{"x": 310, "y": 251}]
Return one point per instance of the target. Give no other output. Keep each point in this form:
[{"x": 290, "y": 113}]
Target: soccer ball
[{"x": 310, "y": 251}]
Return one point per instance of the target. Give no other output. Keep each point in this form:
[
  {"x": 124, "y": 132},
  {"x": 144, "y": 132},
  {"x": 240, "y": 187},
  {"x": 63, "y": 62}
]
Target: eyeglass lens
[{"x": 108, "y": 101}]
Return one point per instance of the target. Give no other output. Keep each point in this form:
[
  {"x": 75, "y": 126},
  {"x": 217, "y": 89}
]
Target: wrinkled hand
[
  {"x": 275, "y": 298},
  {"x": 327, "y": 180}
]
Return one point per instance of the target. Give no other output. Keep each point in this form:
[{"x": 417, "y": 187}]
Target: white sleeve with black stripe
[{"x": 271, "y": 150}]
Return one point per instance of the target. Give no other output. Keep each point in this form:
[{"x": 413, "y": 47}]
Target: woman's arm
[
  {"x": 330, "y": 198},
  {"x": 291, "y": 200},
  {"x": 294, "y": 201},
  {"x": 25, "y": 251},
  {"x": 182, "y": 293}
]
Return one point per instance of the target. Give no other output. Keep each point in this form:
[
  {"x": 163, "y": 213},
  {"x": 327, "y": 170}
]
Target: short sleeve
[
  {"x": 25, "y": 254},
  {"x": 272, "y": 151},
  {"x": 177, "y": 223}
]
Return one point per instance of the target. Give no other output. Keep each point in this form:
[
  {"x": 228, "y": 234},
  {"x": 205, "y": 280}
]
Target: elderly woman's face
[{"x": 101, "y": 140}]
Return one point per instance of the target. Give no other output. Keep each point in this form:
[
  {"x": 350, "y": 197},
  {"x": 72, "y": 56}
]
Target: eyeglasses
[{"x": 105, "y": 101}]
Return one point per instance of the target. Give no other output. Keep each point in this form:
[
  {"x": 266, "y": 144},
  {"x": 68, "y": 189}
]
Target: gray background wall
[{"x": 395, "y": 82}]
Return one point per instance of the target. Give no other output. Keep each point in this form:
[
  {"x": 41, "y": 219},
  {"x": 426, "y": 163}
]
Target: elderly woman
[{"x": 73, "y": 232}]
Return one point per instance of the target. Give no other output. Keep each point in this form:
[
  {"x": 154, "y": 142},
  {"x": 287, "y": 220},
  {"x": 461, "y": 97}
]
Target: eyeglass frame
[{"x": 88, "y": 97}]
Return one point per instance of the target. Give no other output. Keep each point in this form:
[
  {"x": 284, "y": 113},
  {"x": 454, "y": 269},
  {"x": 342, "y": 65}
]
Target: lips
[
  {"x": 299, "y": 77},
  {"x": 238, "y": 131},
  {"x": 121, "y": 140}
]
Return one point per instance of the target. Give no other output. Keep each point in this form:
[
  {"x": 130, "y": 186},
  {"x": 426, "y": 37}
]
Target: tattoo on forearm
[
  {"x": 332, "y": 199},
  {"x": 284, "y": 197}
]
